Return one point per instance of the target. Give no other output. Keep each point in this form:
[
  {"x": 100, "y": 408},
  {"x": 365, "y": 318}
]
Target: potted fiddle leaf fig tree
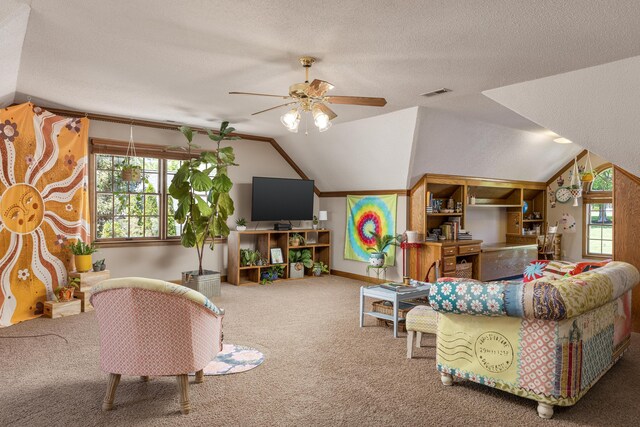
[{"x": 201, "y": 186}]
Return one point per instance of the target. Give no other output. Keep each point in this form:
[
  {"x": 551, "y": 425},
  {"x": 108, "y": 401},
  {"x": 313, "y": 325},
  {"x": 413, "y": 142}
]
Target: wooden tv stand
[{"x": 264, "y": 241}]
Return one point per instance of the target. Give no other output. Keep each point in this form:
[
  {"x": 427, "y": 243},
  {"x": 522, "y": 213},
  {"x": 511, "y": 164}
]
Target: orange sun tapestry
[{"x": 44, "y": 205}]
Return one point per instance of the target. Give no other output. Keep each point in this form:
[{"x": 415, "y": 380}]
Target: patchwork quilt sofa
[{"x": 549, "y": 339}]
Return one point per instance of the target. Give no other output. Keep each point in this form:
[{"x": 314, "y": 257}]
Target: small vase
[{"x": 315, "y": 226}]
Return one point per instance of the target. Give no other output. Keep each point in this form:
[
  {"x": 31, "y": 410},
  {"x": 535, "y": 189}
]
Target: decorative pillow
[
  {"x": 583, "y": 267},
  {"x": 468, "y": 297},
  {"x": 558, "y": 269},
  {"x": 534, "y": 270},
  {"x": 457, "y": 280}
]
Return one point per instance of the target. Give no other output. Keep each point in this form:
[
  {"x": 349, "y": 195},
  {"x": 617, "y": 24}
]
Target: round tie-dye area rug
[{"x": 233, "y": 359}]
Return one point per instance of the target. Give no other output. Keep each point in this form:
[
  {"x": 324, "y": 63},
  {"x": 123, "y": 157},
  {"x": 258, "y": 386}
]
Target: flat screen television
[{"x": 276, "y": 199}]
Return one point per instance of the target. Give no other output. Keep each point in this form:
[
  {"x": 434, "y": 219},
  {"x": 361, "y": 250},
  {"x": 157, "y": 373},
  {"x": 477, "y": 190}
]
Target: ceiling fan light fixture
[
  {"x": 562, "y": 140},
  {"x": 291, "y": 120},
  {"x": 320, "y": 118}
]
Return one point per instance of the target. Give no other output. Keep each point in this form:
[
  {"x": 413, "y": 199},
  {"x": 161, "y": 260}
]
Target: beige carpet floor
[{"x": 320, "y": 369}]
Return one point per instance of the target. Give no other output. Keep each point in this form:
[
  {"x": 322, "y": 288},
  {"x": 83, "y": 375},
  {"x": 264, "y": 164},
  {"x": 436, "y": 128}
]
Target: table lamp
[{"x": 322, "y": 216}]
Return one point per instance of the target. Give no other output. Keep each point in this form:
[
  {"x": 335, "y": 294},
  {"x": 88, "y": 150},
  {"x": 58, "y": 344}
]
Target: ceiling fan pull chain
[{"x": 306, "y": 124}]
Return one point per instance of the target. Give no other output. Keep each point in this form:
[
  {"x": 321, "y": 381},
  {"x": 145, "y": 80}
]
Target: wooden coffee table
[{"x": 394, "y": 297}]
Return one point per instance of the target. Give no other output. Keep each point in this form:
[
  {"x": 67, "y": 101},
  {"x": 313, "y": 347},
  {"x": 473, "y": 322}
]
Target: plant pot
[
  {"x": 412, "y": 236},
  {"x": 269, "y": 275},
  {"x": 317, "y": 272},
  {"x": 296, "y": 270},
  {"x": 241, "y": 227},
  {"x": 294, "y": 242},
  {"x": 207, "y": 283},
  {"x": 65, "y": 293},
  {"x": 131, "y": 174},
  {"x": 315, "y": 226},
  {"x": 83, "y": 263},
  {"x": 376, "y": 259}
]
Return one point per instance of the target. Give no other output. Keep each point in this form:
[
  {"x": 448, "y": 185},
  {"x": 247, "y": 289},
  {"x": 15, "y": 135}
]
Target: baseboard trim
[{"x": 355, "y": 276}]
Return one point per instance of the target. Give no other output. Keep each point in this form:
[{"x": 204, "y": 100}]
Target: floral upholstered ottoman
[{"x": 548, "y": 340}]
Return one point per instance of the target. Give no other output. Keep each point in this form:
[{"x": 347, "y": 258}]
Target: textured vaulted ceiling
[
  {"x": 177, "y": 60},
  {"x": 596, "y": 107}
]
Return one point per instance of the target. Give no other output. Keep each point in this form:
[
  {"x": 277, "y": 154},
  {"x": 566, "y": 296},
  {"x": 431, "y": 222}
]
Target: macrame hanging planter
[
  {"x": 588, "y": 174},
  {"x": 131, "y": 172},
  {"x": 575, "y": 188}
]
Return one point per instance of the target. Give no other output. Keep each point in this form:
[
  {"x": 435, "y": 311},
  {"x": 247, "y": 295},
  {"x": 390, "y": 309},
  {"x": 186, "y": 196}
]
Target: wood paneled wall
[{"x": 626, "y": 228}]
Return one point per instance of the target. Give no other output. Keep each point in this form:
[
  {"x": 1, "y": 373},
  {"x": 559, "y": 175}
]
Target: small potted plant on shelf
[
  {"x": 378, "y": 255},
  {"x": 272, "y": 273},
  {"x": 65, "y": 293},
  {"x": 298, "y": 260},
  {"x": 296, "y": 240},
  {"x": 241, "y": 224},
  {"x": 315, "y": 222},
  {"x": 82, "y": 255},
  {"x": 319, "y": 267}
]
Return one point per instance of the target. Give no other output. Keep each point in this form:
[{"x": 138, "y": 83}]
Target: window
[
  {"x": 598, "y": 215},
  {"x": 126, "y": 213},
  {"x": 127, "y": 210}
]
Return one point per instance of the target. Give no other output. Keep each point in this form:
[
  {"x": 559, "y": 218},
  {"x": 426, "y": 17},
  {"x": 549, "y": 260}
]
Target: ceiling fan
[{"x": 311, "y": 97}]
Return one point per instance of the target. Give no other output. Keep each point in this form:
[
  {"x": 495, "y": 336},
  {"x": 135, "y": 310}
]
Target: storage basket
[
  {"x": 464, "y": 270},
  {"x": 403, "y": 308}
]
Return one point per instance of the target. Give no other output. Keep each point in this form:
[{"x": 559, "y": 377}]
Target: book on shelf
[{"x": 398, "y": 287}]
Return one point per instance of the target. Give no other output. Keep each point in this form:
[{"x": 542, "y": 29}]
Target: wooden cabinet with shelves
[
  {"x": 317, "y": 241},
  {"x": 488, "y": 193}
]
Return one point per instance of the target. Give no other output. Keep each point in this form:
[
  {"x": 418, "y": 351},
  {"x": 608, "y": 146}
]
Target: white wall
[
  {"x": 366, "y": 154},
  {"x": 571, "y": 242},
  {"x": 336, "y": 208},
  {"x": 14, "y": 18},
  {"x": 595, "y": 107},
  {"x": 168, "y": 261},
  {"x": 449, "y": 144},
  {"x": 487, "y": 224}
]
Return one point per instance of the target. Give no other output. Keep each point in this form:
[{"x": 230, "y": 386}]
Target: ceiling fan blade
[
  {"x": 328, "y": 111},
  {"x": 273, "y": 108},
  {"x": 259, "y": 94},
  {"x": 356, "y": 100},
  {"x": 318, "y": 88}
]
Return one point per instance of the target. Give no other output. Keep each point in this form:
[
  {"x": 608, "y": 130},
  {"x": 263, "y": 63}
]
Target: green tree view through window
[{"x": 599, "y": 215}]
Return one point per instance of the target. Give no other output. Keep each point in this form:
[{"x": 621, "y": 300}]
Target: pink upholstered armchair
[{"x": 155, "y": 328}]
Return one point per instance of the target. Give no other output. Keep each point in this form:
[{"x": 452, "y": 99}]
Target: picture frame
[{"x": 276, "y": 256}]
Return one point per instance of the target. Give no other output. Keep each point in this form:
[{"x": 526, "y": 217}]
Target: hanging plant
[
  {"x": 587, "y": 175},
  {"x": 575, "y": 188},
  {"x": 131, "y": 172}
]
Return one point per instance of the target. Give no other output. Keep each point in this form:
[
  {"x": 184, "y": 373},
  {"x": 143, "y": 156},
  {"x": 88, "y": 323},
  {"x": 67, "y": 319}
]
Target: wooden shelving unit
[
  {"x": 264, "y": 241},
  {"x": 489, "y": 193}
]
